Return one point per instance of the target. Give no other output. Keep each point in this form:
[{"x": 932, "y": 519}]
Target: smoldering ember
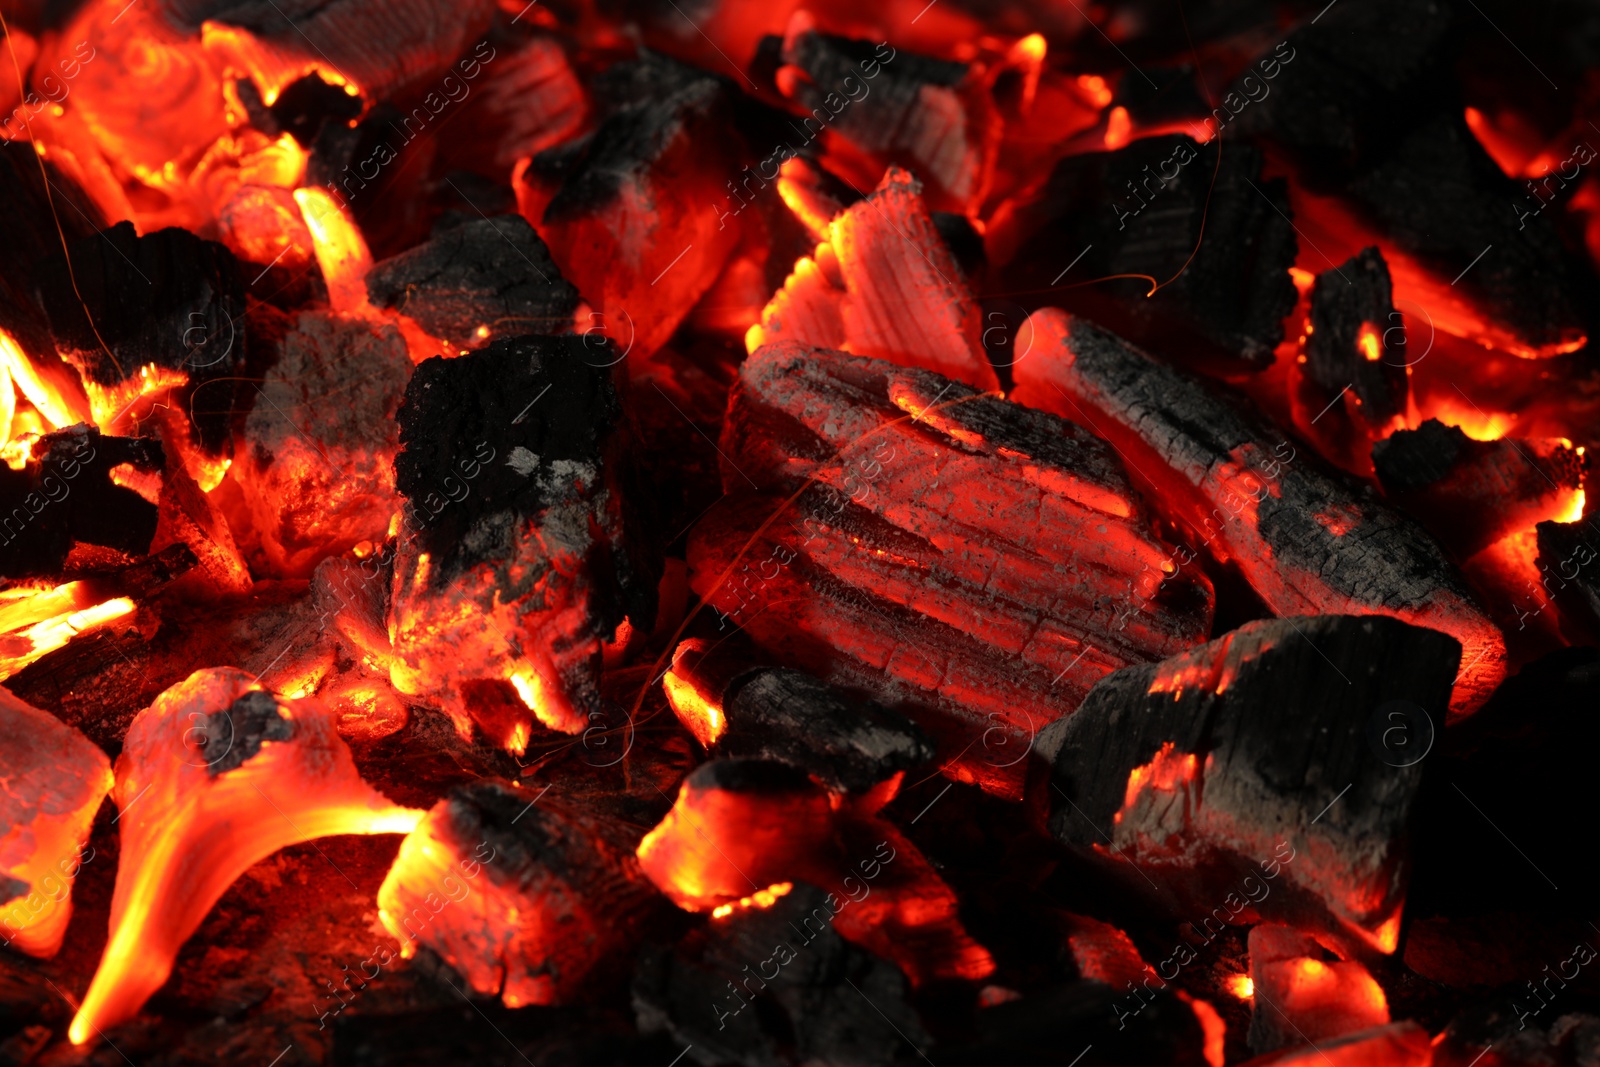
[{"x": 799, "y": 534}]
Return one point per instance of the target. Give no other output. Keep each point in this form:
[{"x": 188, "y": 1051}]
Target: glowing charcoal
[
  {"x": 1239, "y": 488},
  {"x": 515, "y": 562},
  {"x": 1176, "y": 761},
  {"x": 1303, "y": 994},
  {"x": 883, "y": 285},
  {"x": 215, "y": 776},
  {"x": 53, "y": 779},
  {"x": 521, "y": 895},
  {"x": 965, "y": 561}
]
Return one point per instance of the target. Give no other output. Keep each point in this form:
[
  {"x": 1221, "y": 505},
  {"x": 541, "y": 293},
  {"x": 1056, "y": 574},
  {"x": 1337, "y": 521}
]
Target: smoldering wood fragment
[
  {"x": 379, "y": 50},
  {"x": 1157, "y": 209},
  {"x": 1472, "y": 493},
  {"x": 1221, "y": 764},
  {"x": 1303, "y": 994},
  {"x": 789, "y": 715},
  {"x": 882, "y": 283},
  {"x": 632, "y": 211},
  {"x": 931, "y": 115},
  {"x": 480, "y": 280},
  {"x": 1047, "y": 1027},
  {"x": 1570, "y": 574},
  {"x": 1305, "y": 540},
  {"x": 1444, "y": 202},
  {"x": 777, "y": 713},
  {"x": 513, "y": 506},
  {"x": 66, "y": 495},
  {"x": 316, "y": 450},
  {"x": 964, "y": 560},
  {"x": 557, "y": 900},
  {"x": 828, "y": 1002},
  {"x": 1352, "y": 315},
  {"x": 167, "y": 301}
]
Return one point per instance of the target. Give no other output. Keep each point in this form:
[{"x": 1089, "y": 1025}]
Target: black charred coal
[
  {"x": 1049, "y": 1027},
  {"x": 410, "y": 1036},
  {"x": 1243, "y": 744},
  {"x": 1472, "y": 493},
  {"x": 888, "y": 116},
  {"x": 1520, "y": 1032},
  {"x": 1443, "y": 201},
  {"x": 826, "y": 1002},
  {"x": 28, "y": 233},
  {"x": 1340, "y": 90},
  {"x": 66, "y": 495},
  {"x": 1143, "y": 210},
  {"x": 774, "y": 713},
  {"x": 167, "y": 299},
  {"x": 540, "y": 406},
  {"x": 1570, "y": 573},
  {"x": 1352, "y": 320},
  {"x": 487, "y": 274},
  {"x": 306, "y": 104}
]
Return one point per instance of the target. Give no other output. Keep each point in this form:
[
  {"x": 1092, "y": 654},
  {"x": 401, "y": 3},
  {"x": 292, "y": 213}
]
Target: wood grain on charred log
[{"x": 1305, "y": 542}]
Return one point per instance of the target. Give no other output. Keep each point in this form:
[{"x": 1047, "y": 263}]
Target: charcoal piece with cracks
[
  {"x": 557, "y": 900},
  {"x": 1471, "y": 493},
  {"x": 1349, "y": 343},
  {"x": 520, "y": 553},
  {"x": 633, "y": 212},
  {"x": 1272, "y": 755},
  {"x": 1441, "y": 200},
  {"x": 142, "y": 315},
  {"x": 65, "y": 495},
  {"x": 788, "y": 715},
  {"x": 29, "y": 235},
  {"x": 483, "y": 279},
  {"x": 1153, "y": 210},
  {"x": 776, "y": 985}
]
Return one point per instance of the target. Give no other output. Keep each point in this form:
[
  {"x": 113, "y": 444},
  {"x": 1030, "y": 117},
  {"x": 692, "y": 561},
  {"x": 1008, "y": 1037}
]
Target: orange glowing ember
[
  {"x": 762, "y": 898},
  {"x": 214, "y": 777},
  {"x": 1241, "y": 986},
  {"x": 1169, "y": 772},
  {"x": 1119, "y": 128},
  {"x": 36, "y": 622},
  {"x": 52, "y": 780},
  {"x": 341, "y": 250},
  {"x": 1369, "y": 342},
  {"x": 59, "y": 402},
  {"x": 700, "y": 715}
]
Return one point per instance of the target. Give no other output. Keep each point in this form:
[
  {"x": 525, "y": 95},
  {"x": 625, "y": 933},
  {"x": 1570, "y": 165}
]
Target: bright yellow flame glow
[
  {"x": 761, "y": 898},
  {"x": 342, "y": 252}
]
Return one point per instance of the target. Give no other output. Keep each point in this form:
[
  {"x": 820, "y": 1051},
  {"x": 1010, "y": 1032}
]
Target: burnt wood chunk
[
  {"x": 1305, "y": 541},
  {"x": 1570, "y": 573},
  {"x": 1470, "y": 493},
  {"x": 377, "y": 51},
  {"x": 883, "y": 284},
  {"x": 1347, "y": 347},
  {"x": 1216, "y": 772},
  {"x": 477, "y": 281},
  {"x": 540, "y": 899},
  {"x": 1402, "y": 1044},
  {"x": 1048, "y": 1027},
  {"x": 897, "y": 107},
  {"x": 1152, "y": 210},
  {"x": 961, "y": 559},
  {"x": 632, "y": 211},
  {"x": 315, "y": 466},
  {"x": 1441, "y": 200},
  {"x": 139, "y": 315},
  {"x": 65, "y": 495},
  {"x": 777, "y": 713},
  {"x": 827, "y": 1002},
  {"x": 52, "y": 780},
  {"x": 1304, "y": 994},
  {"x": 29, "y": 235},
  {"x": 515, "y": 560}
]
